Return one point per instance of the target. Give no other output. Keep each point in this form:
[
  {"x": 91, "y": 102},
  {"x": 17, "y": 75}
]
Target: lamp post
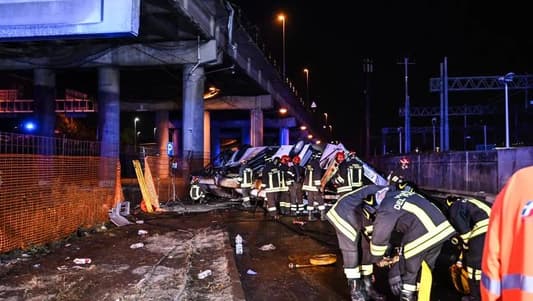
[
  {"x": 434, "y": 122},
  {"x": 325, "y": 120},
  {"x": 281, "y": 17},
  {"x": 306, "y": 71},
  {"x": 135, "y": 133},
  {"x": 506, "y": 79}
]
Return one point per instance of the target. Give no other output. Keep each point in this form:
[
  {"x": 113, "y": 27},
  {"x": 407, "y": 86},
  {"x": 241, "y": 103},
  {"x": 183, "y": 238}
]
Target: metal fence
[{"x": 47, "y": 194}]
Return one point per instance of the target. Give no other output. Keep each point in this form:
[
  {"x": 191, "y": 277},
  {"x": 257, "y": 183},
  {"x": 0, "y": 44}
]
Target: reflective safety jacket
[
  {"x": 421, "y": 222},
  {"x": 357, "y": 173},
  {"x": 273, "y": 178},
  {"x": 507, "y": 263},
  {"x": 245, "y": 176},
  {"x": 470, "y": 217},
  {"x": 344, "y": 177},
  {"x": 313, "y": 175},
  {"x": 342, "y": 214}
]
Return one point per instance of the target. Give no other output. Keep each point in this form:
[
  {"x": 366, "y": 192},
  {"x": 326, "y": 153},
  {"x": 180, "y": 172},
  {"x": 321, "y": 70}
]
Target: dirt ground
[{"x": 178, "y": 246}]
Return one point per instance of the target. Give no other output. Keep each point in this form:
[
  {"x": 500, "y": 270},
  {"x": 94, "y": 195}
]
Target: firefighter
[
  {"x": 196, "y": 192},
  {"x": 344, "y": 176},
  {"x": 246, "y": 182},
  {"x": 347, "y": 219},
  {"x": 285, "y": 181},
  {"x": 423, "y": 228},
  {"x": 311, "y": 186},
  {"x": 506, "y": 265},
  {"x": 470, "y": 218},
  {"x": 295, "y": 180},
  {"x": 271, "y": 184}
]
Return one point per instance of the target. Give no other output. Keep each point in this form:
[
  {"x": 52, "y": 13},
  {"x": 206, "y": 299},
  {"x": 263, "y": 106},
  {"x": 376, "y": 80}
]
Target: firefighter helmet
[
  {"x": 340, "y": 156},
  {"x": 296, "y": 160},
  {"x": 285, "y": 159}
]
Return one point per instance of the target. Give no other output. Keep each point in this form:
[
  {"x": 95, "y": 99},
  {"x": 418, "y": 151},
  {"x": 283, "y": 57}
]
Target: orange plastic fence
[{"x": 46, "y": 198}]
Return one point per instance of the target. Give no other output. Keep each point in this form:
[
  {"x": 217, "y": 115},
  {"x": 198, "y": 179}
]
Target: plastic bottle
[
  {"x": 82, "y": 260},
  {"x": 204, "y": 274},
  {"x": 238, "y": 244},
  {"x": 137, "y": 245}
]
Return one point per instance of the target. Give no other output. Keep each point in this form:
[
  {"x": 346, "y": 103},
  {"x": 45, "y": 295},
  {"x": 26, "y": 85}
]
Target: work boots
[
  {"x": 356, "y": 290},
  {"x": 407, "y": 295},
  {"x": 323, "y": 215},
  {"x": 371, "y": 292}
]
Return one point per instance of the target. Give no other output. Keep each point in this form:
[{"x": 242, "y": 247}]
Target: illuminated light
[
  {"x": 303, "y": 128},
  {"x": 212, "y": 92},
  {"x": 29, "y": 126},
  {"x": 309, "y": 136},
  {"x": 281, "y": 17},
  {"x": 283, "y": 110},
  {"x": 318, "y": 142}
]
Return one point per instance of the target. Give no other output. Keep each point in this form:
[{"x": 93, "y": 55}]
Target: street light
[
  {"x": 135, "y": 132},
  {"x": 434, "y": 122},
  {"x": 506, "y": 79},
  {"x": 306, "y": 71},
  {"x": 281, "y": 17},
  {"x": 325, "y": 120}
]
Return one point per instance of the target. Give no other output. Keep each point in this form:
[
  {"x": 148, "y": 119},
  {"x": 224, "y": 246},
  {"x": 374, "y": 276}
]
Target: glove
[{"x": 395, "y": 279}]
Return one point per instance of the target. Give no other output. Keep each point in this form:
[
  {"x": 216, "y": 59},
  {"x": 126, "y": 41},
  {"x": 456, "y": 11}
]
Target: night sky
[{"x": 477, "y": 37}]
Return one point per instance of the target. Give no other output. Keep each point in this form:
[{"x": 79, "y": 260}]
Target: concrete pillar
[
  {"x": 45, "y": 107},
  {"x": 108, "y": 122},
  {"x": 207, "y": 138},
  {"x": 245, "y": 135},
  {"x": 193, "y": 116},
  {"x": 161, "y": 122},
  {"x": 283, "y": 136},
  {"x": 256, "y": 127}
]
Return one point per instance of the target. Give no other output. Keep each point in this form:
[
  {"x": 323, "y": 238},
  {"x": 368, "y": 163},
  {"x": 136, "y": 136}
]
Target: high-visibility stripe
[
  {"x": 340, "y": 224},
  {"x": 377, "y": 250},
  {"x": 520, "y": 282},
  {"x": 494, "y": 286},
  {"x": 409, "y": 287},
  {"x": 352, "y": 273},
  {"x": 473, "y": 273},
  {"x": 270, "y": 209},
  {"x": 367, "y": 269},
  {"x": 481, "y": 205},
  {"x": 479, "y": 228},
  {"x": 344, "y": 188},
  {"x": 517, "y": 281}
]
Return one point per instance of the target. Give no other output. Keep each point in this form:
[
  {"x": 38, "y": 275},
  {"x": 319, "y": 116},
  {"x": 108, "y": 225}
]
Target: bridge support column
[
  {"x": 45, "y": 110},
  {"x": 207, "y": 137},
  {"x": 256, "y": 127},
  {"x": 162, "y": 124},
  {"x": 193, "y": 116},
  {"x": 108, "y": 122},
  {"x": 284, "y": 136}
]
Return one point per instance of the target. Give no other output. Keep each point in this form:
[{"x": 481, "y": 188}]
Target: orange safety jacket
[{"x": 507, "y": 263}]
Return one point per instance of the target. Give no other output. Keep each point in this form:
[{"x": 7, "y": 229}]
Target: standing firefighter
[
  {"x": 311, "y": 185},
  {"x": 246, "y": 181},
  {"x": 271, "y": 184},
  {"x": 348, "y": 221},
  {"x": 285, "y": 181},
  {"x": 470, "y": 218},
  {"x": 507, "y": 268},
  {"x": 423, "y": 228},
  {"x": 295, "y": 180}
]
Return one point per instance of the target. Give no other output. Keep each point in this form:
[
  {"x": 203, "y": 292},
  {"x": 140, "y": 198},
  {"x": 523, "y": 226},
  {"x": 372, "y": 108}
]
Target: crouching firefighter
[
  {"x": 347, "y": 218},
  {"x": 423, "y": 228},
  {"x": 470, "y": 217}
]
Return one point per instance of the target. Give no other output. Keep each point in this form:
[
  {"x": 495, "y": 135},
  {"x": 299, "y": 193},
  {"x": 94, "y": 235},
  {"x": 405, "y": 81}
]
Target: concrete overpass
[{"x": 145, "y": 55}]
